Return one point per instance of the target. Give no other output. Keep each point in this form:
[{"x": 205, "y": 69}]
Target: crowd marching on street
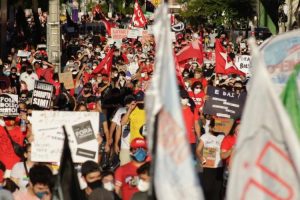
[{"x": 100, "y": 97}]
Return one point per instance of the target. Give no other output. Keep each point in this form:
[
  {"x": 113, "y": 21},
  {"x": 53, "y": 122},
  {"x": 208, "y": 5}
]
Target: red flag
[
  {"x": 105, "y": 64},
  {"x": 224, "y": 64},
  {"x": 138, "y": 19},
  {"x": 178, "y": 72},
  {"x": 193, "y": 50},
  {"x": 108, "y": 25}
]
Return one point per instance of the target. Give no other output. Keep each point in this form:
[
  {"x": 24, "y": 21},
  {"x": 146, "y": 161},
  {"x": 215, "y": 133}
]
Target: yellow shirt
[{"x": 137, "y": 119}]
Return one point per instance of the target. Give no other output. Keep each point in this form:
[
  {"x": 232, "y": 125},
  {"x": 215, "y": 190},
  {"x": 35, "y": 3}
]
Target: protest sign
[
  {"x": 67, "y": 79},
  {"x": 82, "y": 129},
  {"x": 242, "y": 62},
  {"x": 42, "y": 94},
  {"x": 223, "y": 125},
  {"x": 133, "y": 33},
  {"x": 118, "y": 34},
  {"x": 224, "y": 103},
  {"x": 22, "y": 53},
  {"x": 8, "y": 105}
]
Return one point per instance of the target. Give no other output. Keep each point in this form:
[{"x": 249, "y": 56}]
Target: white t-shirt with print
[
  {"x": 212, "y": 149},
  {"x": 117, "y": 117}
]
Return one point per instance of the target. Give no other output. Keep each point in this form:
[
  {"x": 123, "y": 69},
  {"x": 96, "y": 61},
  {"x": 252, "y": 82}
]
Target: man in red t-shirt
[
  {"x": 7, "y": 154},
  {"x": 126, "y": 176}
]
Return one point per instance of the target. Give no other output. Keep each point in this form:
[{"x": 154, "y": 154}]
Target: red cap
[{"x": 138, "y": 143}]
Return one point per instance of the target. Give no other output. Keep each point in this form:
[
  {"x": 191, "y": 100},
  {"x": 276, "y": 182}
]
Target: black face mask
[
  {"x": 29, "y": 71},
  {"x": 140, "y": 106},
  {"x": 95, "y": 184},
  {"x": 86, "y": 91}
]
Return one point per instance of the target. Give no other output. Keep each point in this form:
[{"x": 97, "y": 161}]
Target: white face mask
[
  {"x": 45, "y": 66},
  {"x": 109, "y": 186},
  {"x": 187, "y": 84},
  {"x": 143, "y": 75},
  {"x": 143, "y": 186},
  {"x": 93, "y": 81},
  {"x": 29, "y": 118},
  {"x": 197, "y": 91},
  {"x": 184, "y": 101}
]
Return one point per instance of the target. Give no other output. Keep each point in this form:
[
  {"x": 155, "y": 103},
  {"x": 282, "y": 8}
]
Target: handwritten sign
[
  {"x": 242, "y": 62},
  {"x": 67, "y": 79},
  {"x": 82, "y": 129},
  {"x": 118, "y": 34}
]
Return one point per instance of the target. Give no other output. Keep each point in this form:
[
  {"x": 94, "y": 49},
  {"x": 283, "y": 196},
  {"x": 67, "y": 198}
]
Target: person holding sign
[{"x": 208, "y": 152}]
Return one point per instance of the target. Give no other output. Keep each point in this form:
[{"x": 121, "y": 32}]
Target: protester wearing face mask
[
  {"x": 92, "y": 176},
  {"x": 108, "y": 181},
  {"x": 29, "y": 77},
  {"x": 191, "y": 117},
  {"x": 208, "y": 152},
  {"x": 198, "y": 95},
  {"x": 198, "y": 76},
  {"x": 14, "y": 80},
  {"x": 40, "y": 184},
  {"x": 144, "y": 182},
  {"x": 126, "y": 176},
  {"x": 7, "y": 153},
  {"x": 135, "y": 116}
]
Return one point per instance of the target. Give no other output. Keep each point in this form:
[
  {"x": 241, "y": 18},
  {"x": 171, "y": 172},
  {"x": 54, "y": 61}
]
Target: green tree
[{"x": 225, "y": 12}]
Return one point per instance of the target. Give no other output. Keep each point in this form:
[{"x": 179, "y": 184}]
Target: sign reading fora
[
  {"x": 42, "y": 94},
  {"x": 9, "y": 105},
  {"x": 83, "y": 132},
  {"x": 224, "y": 103}
]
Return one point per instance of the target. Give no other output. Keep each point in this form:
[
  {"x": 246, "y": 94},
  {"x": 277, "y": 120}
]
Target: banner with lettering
[
  {"x": 9, "y": 105},
  {"x": 224, "y": 103},
  {"x": 42, "y": 94}
]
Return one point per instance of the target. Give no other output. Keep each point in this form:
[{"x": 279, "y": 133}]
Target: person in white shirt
[
  {"x": 208, "y": 152},
  {"x": 29, "y": 77},
  {"x": 122, "y": 132}
]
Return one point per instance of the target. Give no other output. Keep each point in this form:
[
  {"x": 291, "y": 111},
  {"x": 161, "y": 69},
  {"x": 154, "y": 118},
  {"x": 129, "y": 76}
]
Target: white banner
[
  {"x": 266, "y": 161},
  {"x": 133, "y": 33},
  {"x": 82, "y": 129}
]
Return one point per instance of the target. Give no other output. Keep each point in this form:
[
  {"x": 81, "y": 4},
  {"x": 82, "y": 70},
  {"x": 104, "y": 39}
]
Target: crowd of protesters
[{"x": 123, "y": 169}]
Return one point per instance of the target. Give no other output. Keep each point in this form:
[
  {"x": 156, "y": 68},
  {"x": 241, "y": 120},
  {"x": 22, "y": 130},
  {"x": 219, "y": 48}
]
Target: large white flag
[
  {"x": 174, "y": 174},
  {"x": 266, "y": 164}
]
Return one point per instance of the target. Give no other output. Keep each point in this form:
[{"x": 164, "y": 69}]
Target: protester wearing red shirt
[
  {"x": 126, "y": 176},
  {"x": 7, "y": 154},
  {"x": 190, "y": 117},
  {"x": 198, "y": 76},
  {"x": 198, "y": 95},
  {"x": 228, "y": 143}
]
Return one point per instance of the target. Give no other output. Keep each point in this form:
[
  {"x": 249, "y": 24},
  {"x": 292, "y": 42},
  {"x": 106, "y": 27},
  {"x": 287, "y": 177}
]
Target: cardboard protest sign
[
  {"x": 242, "y": 62},
  {"x": 82, "y": 129},
  {"x": 118, "y": 34},
  {"x": 9, "y": 105},
  {"x": 67, "y": 79},
  {"x": 224, "y": 103},
  {"x": 42, "y": 94},
  {"x": 223, "y": 125}
]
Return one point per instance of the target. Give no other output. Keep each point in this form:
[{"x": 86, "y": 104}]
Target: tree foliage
[{"x": 218, "y": 11}]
